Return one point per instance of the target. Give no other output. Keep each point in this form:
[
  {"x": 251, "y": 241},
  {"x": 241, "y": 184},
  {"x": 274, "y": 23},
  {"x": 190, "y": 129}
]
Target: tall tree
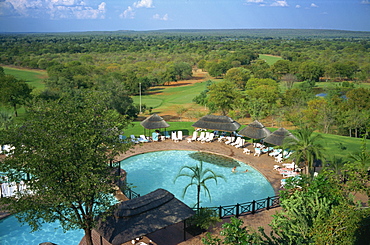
[
  {"x": 198, "y": 177},
  {"x": 239, "y": 76},
  {"x": 14, "y": 92},
  {"x": 222, "y": 97},
  {"x": 65, "y": 146}
]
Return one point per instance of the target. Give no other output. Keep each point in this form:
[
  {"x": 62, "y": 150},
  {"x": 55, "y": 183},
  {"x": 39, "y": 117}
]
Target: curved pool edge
[{"x": 264, "y": 164}]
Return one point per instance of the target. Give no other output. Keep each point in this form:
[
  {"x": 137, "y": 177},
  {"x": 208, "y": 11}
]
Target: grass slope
[
  {"x": 34, "y": 78},
  {"x": 166, "y": 98},
  {"x": 270, "y": 59}
]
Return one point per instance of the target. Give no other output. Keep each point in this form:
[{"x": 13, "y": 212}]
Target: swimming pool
[
  {"x": 150, "y": 171},
  {"x": 12, "y": 233}
]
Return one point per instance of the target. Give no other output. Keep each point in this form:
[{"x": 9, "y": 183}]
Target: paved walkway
[{"x": 264, "y": 164}]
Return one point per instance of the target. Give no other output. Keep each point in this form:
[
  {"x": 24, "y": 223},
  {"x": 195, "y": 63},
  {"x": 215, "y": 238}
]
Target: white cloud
[
  {"x": 365, "y": 2},
  {"x": 298, "y": 6},
  {"x": 144, "y": 4},
  {"x": 314, "y": 5},
  {"x": 129, "y": 13},
  {"x": 7, "y": 9},
  {"x": 158, "y": 17},
  {"x": 282, "y": 3},
  {"x": 56, "y": 9}
]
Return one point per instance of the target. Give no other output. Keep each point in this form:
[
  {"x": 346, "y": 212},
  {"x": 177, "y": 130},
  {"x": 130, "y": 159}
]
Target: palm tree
[
  {"x": 198, "y": 177},
  {"x": 6, "y": 119},
  {"x": 305, "y": 148}
]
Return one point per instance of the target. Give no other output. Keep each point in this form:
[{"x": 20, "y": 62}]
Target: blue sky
[{"x": 112, "y": 15}]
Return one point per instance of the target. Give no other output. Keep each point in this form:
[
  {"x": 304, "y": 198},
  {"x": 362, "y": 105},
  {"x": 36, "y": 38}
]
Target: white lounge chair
[
  {"x": 247, "y": 151},
  {"x": 173, "y": 136},
  {"x": 257, "y": 152},
  {"x": 201, "y": 137},
  {"x": 195, "y": 135},
  {"x": 241, "y": 143},
  {"x": 237, "y": 141},
  {"x": 143, "y": 139},
  {"x": 231, "y": 140},
  {"x": 133, "y": 139},
  {"x": 210, "y": 138},
  {"x": 275, "y": 152},
  {"x": 179, "y": 136},
  {"x": 290, "y": 165}
]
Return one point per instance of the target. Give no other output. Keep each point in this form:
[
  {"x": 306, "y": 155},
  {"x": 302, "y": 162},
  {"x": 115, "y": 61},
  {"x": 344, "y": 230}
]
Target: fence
[
  {"x": 247, "y": 207},
  {"x": 230, "y": 210}
]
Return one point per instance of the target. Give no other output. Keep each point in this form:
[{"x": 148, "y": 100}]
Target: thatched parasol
[
  {"x": 142, "y": 216},
  {"x": 221, "y": 123},
  {"x": 278, "y": 137},
  {"x": 255, "y": 130},
  {"x": 154, "y": 122}
]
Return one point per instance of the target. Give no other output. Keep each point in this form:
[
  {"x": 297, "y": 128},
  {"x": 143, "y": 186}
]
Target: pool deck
[{"x": 263, "y": 164}]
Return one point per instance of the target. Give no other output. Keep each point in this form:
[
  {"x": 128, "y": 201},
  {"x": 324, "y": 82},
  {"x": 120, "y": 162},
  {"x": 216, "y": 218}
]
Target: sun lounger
[
  {"x": 133, "y": 139},
  {"x": 237, "y": 141},
  {"x": 195, "y": 135},
  {"x": 202, "y": 136},
  {"x": 279, "y": 158},
  {"x": 275, "y": 152},
  {"x": 290, "y": 165},
  {"x": 221, "y": 138},
  {"x": 231, "y": 140},
  {"x": 155, "y": 136},
  {"x": 210, "y": 138},
  {"x": 241, "y": 144},
  {"x": 257, "y": 152},
  {"x": 143, "y": 139},
  {"x": 173, "y": 136},
  {"x": 179, "y": 136},
  {"x": 247, "y": 151},
  {"x": 167, "y": 135}
]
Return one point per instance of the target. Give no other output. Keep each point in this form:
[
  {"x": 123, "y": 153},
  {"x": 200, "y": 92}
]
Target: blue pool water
[
  {"x": 149, "y": 172},
  {"x": 159, "y": 169},
  {"x": 12, "y": 233}
]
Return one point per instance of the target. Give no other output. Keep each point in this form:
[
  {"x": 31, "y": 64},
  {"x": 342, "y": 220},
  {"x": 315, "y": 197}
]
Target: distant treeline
[{"x": 123, "y": 62}]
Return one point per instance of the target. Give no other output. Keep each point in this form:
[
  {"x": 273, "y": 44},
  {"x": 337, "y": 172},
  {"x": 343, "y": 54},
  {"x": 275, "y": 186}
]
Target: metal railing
[
  {"x": 229, "y": 210},
  {"x": 246, "y": 208}
]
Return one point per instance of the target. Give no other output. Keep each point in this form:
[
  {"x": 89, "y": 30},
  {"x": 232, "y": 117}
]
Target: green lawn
[
  {"x": 165, "y": 98},
  {"x": 269, "y": 58},
  {"x": 34, "y": 78}
]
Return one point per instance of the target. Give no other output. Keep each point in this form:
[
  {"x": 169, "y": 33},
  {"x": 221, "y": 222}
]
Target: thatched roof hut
[
  {"x": 221, "y": 123},
  {"x": 255, "y": 130},
  {"x": 154, "y": 122},
  {"x": 142, "y": 216},
  {"x": 278, "y": 137}
]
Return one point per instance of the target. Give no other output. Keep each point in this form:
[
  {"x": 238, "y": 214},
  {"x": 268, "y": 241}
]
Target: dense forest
[{"x": 243, "y": 85}]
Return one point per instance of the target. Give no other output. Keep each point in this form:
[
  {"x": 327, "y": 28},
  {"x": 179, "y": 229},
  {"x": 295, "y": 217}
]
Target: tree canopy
[{"x": 65, "y": 147}]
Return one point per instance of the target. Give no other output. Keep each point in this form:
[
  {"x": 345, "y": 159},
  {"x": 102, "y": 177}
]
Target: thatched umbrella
[
  {"x": 154, "y": 122},
  {"x": 142, "y": 216},
  {"x": 255, "y": 130},
  {"x": 220, "y": 123},
  {"x": 278, "y": 137}
]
